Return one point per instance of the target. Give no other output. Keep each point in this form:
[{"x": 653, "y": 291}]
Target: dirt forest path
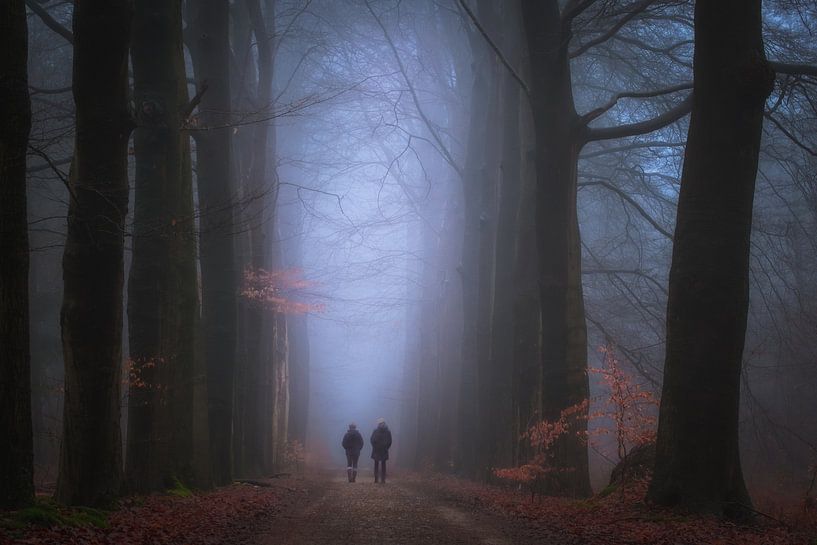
[{"x": 399, "y": 512}]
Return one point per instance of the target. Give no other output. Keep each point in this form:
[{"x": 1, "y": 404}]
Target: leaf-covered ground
[
  {"x": 411, "y": 509},
  {"x": 229, "y": 515},
  {"x": 618, "y": 517}
]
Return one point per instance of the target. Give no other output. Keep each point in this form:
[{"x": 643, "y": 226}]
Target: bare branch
[
  {"x": 188, "y": 110},
  {"x": 593, "y": 114},
  {"x": 628, "y": 147},
  {"x": 637, "y": 9},
  {"x": 573, "y": 9},
  {"x": 642, "y": 127},
  {"x": 632, "y": 202},
  {"x": 43, "y": 91},
  {"x": 495, "y": 47},
  {"x": 441, "y": 146},
  {"x": 44, "y": 156},
  {"x": 793, "y": 69},
  {"x": 50, "y": 22},
  {"x": 789, "y": 135},
  {"x": 50, "y": 165}
]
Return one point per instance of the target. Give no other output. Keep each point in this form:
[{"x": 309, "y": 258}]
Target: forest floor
[{"x": 410, "y": 509}]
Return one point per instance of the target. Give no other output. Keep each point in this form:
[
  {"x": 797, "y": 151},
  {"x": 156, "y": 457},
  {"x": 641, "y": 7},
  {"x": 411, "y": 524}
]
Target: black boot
[
  {"x": 354, "y": 475},
  {"x": 349, "y": 475}
]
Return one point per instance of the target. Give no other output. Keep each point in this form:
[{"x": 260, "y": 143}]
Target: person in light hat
[
  {"x": 352, "y": 444},
  {"x": 381, "y": 442}
]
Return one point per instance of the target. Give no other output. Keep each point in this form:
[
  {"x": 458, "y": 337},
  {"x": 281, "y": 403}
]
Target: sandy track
[{"x": 331, "y": 510}]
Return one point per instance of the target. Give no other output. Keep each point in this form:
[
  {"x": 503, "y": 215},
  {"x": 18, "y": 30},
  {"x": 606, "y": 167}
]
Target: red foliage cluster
[
  {"x": 136, "y": 371},
  {"x": 542, "y": 436},
  {"x": 621, "y": 517},
  {"x": 630, "y": 406},
  {"x": 281, "y": 290},
  {"x": 227, "y": 515}
]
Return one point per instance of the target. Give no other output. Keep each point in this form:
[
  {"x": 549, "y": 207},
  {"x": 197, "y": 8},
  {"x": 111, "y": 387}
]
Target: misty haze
[{"x": 408, "y": 271}]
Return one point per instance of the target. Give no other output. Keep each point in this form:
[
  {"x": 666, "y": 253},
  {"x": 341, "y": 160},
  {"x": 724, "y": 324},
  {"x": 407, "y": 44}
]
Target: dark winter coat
[
  {"x": 352, "y": 442},
  {"x": 381, "y": 441}
]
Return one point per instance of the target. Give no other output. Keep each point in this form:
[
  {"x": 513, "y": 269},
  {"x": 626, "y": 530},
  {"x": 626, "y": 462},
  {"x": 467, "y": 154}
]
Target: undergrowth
[
  {"x": 178, "y": 489},
  {"x": 45, "y": 513}
]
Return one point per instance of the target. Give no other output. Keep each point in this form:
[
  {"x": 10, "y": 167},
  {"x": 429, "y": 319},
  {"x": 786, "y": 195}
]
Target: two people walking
[{"x": 380, "y": 441}]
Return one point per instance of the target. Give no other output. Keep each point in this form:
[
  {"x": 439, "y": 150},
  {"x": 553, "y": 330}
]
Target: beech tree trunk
[
  {"x": 697, "y": 459},
  {"x": 163, "y": 283},
  {"x": 298, "y": 378},
  {"x": 91, "y": 318},
  {"x": 479, "y": 189},
  {"x": 16, "y": 456},
  {"x": 429, "y": 327},
  {"x": 527, "y": 371},
  {"x": 256, "y": 442},
  {"x": 499, "y": 385},
  {"x": 450, "y": 333},
  {"x": 564, "y": 333},
  {"x": 210, "y": 49},
  {"x": 278, "y": 395}
]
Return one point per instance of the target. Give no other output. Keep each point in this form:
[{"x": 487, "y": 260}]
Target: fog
[{"x": 459, "y": 253}]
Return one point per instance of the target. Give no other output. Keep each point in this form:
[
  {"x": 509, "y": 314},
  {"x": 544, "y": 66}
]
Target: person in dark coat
[
  {"x": 352, "y": 444},
  {"x": 381, "y": 442}
]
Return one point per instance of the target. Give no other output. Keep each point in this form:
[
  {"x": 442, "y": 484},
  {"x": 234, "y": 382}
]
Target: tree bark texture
[
  {"x": 564, "y": 333},
  {"x": 255, "y": 391},
  {"x": 527, "y": 370},
  {"x": 16, "y": 456},
  {"x": 299, "y": 377},
  {"x": 210, "y": 49},
  {"x": 500, "y": 440},
  {"x": 279, "y": 393},
  {"x": 91, "y": 317},
  {"x": 163, "y": 284},
  {"x": 479, "y": 195},
  {"x": 429, "y": 327},
  {"x": 450, "y": 332},
  {"x": 697, "y": 460}
]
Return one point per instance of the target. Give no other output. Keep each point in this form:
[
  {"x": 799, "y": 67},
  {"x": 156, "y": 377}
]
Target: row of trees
[
  {"x": 500, "y": 179},
  {"x": 207, "y": 373},
  {"x": 523, "y": 333}
]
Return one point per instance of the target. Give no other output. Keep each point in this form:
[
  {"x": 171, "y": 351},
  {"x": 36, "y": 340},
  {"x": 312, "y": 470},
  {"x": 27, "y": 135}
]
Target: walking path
[{"x": 337, "y": 512}]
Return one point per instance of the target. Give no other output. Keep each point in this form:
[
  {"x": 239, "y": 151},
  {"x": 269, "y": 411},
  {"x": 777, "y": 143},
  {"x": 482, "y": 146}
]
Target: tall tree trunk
[
  {"x": 479, "y": 190},
  {"x": 210, "y": 49},
  {"x": 16, "y": 456},
  {"x": 410, "y": 390},
  {"x": 697, "y": 459},
  {"x": 255, "y": 403},
  {"x": 527, "y": 371},
  {"x": 449, "y": 344},
  {"x": 291, "y": 225},
  {"x": 247, "y": 443},
  {"x": 497, "y": 391},
  {"x": 299, "y": 378},
  {"x": 564, "y": 333},
  {"x": 279, "y": 394},
  {"x": 429, "y": 326},
  {"x": 91, "y": 318},
  {"x": 163, "y": 285}
]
